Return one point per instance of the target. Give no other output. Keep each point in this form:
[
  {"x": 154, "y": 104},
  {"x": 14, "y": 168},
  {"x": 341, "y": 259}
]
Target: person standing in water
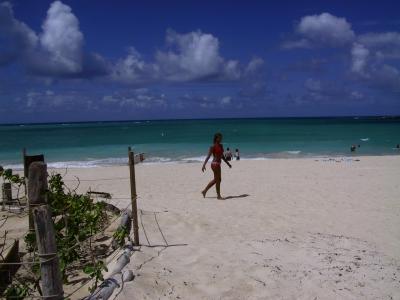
[
  {"x": 228, "y": 154},
  {"x": 217, "y": 151},
  {"x": 237, "y": 154}
]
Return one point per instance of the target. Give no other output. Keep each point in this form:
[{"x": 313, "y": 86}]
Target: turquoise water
[{"x": 90, "y": 144}]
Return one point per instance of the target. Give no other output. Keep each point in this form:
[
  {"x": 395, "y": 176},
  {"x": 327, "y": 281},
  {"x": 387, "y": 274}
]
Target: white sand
[{"x": 308, "y": 229}]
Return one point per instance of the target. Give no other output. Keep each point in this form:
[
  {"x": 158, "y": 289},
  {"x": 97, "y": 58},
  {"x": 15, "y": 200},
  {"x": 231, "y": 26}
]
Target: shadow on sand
[{"x": 231, "y": 197}]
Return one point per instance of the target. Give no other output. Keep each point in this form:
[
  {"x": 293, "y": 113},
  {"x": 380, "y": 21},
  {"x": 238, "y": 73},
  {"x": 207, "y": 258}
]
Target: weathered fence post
[
  {"x": 28, "y": 160},
  {"x": 45, "y": 237},
  {"x": 133, "y": 196},
  {"x": 25, "y": 176},
  {"x": 6, "y": 194}
]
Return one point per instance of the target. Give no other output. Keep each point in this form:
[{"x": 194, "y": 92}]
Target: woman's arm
[
  {"x": 227, "y": 162},
  {"x": 207, "y": 158},
  {"x": 224, "y": 158}
]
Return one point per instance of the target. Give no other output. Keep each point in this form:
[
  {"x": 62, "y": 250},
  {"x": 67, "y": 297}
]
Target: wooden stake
[
  {"x": 45, "y": 237},
  {"x": 25, "y": 177},
  {"x": 6, "y": 194},
  {"x": 28, "y": 160},
  {"x": 133, "y": 196}
]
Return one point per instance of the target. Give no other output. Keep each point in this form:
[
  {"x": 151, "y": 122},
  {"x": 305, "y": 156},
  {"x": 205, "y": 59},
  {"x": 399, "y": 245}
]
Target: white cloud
[
  {"x": 56, "y": 52},
  {"x": 313, "y": 85},
  {"x": 226, "y": 100},
  {"x": 356, "y": 95},
  {"x": 326, "y": 28},
  {"x": 378, "y": 39},
  {"x": 359, "y": 55},
  {"x": 139, "y": 98},
  {"x": 323, "y": 30},
  {"x": 254, "y": 66},
  {"x": 193, "y": 55},
  {"x": 231, "y": 70},
  {"x": 17, "y": 38},
  {"x": 62, "y": 38},
  {"x": 133, "y": 69},
  {"x": 387, "y": 44}
]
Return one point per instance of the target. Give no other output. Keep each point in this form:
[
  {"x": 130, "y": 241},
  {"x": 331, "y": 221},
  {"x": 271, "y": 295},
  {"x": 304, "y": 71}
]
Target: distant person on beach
[
  {"x": 217, "y": 151},
  {"x": 228, "y": 154},
  {"x": 353, "y": 148},
  {"x": 237, "y": 155}
]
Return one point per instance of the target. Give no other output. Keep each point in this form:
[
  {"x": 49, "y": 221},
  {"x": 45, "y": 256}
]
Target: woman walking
[{"x": 217, "y": 151}]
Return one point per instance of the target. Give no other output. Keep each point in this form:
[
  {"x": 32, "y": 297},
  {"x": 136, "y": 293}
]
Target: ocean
[{"x": 105, "y": 143}]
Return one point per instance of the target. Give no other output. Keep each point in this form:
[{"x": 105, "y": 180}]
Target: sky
[{"x": 63, "y": 61}]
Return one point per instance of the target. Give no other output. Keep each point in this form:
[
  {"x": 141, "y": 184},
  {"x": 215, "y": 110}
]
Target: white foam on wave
[
  {"x": 111, "y": 161},
  {"x": 157, "y": 159},
  {"x": 295, "y": 152},
  {"x": 254, "y": 158},
  {"x": 194, "y": 159},
  {"x": 364, "y": 139},
  {"x": 16, "y": 167}
]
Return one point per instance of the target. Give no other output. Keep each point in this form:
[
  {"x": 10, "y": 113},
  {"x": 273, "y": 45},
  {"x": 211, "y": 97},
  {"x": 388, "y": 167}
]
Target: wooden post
[
  {"x": 25, "y": 177},
  {"x": 28, "y": 160},
  {"x": 6, "y": 194},
  {"x": 45, "y": 237},
  {"x": 133, "y": 196}
]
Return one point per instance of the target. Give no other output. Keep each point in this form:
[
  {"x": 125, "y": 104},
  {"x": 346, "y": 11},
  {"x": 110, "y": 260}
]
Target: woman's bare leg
[
  {"x": 217, "y": 178},
  {"x": 209, "y": 185}
]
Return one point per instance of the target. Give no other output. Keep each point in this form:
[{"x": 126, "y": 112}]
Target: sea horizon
[{"x": 211, "y": 118}]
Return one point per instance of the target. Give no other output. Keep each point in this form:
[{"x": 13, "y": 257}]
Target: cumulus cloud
[
  {"x": 56, "y": 52},
  {"x": 133, "y": 69},
  {"x": 323, "y": 30},
  {"x": 62, "y": 38},
  {"x": 386, "y": 43},
  {"x": 194, "y": 56},
  {"x": 16, "y": 38},
  {"x": 359, "y": 55},
  {"x": 369, "y": 52},
  {"x": 254, "y": 66},
  {"x": 369, "y": 55}
]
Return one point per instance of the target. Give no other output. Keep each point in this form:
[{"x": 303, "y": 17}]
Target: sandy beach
[{"x": 307, "y": 228}]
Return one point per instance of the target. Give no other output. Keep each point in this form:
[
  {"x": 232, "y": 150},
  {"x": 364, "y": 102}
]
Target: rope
[
  {"x": 100, "y": 179},
  {"x": 158, "y": 225},
  {"x": 41, "y": 261}
]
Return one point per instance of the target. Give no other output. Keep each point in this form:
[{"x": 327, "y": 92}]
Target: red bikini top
[{"x": 218, "y": 150}]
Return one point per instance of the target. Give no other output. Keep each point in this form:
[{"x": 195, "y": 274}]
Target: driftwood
[
  {"x": 117, "y": 277},
  {"x": 102, "y": 194},
  {"x": 126, "y": 223},
  {"x": 112, "y": 208}
]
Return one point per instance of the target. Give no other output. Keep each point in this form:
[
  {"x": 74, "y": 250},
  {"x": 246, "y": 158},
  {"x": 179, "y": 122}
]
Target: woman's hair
[{"x": 217, "y": 135}]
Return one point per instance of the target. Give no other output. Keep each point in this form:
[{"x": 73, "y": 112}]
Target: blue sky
[{"x": 107, "y": 60}]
